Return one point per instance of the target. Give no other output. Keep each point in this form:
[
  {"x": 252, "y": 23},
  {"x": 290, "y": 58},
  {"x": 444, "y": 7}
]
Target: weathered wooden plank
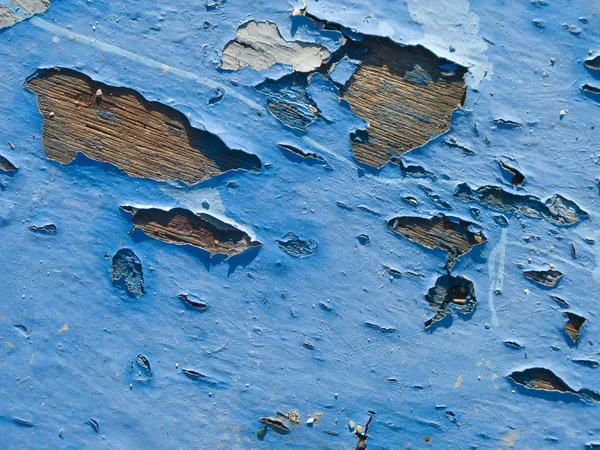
[
  {"x": 119, "y": 126},
  {"x": 403, "y": 94}
]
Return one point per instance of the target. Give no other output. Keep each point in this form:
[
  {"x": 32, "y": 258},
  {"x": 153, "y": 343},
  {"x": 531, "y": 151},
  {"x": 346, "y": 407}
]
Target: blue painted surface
[{"x": 82, "y": 333}]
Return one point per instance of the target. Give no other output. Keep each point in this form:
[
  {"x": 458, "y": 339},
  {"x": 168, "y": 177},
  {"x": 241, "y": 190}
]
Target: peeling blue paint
[{"x": 68, "y": 336}]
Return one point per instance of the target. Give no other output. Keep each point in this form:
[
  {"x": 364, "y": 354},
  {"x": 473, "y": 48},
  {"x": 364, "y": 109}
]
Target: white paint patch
[
  {"x": 32, "y": 6},
  {"x": 450, "y": 24},
  {"x": 260, "y": 46},
  {"x": 7, "y": 17}
]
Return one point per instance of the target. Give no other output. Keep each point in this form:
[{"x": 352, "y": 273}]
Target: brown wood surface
[
  {"x": 440, "y": 232},
  {"x": 120, "y": 127},
  {"x": 403, "y": 95},
  {"x": 181, "y": 226}
]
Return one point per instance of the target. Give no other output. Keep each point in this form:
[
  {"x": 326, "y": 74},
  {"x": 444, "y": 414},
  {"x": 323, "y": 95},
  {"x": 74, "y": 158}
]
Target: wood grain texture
[
  {"x": 118, "y": 126},
  {"x": 403, "y": 94},
  {"x": 449, "y": 234},
  {"x": 181, "y": 226}
]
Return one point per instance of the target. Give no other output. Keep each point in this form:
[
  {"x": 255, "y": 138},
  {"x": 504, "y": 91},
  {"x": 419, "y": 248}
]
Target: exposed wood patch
[
  {"x": 49, "y": 228},
  {"x": 181, "y": 226},
  {"x": 260, "y": 46},
  {"x": 543, "y": 379},
  {"x": 451, "y": 293},
  {"x": 193, "y": 302},
  {"x": 405, "y": 94},
  {"x": 544, "y": 277},
  {"x": 556, "y": 209},
  {"x": 119, "y": 126},
  {"x": 453, "y": 235},
  {"x": 573, "y": 325}
]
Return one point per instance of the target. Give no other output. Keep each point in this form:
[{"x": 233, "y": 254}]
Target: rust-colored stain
[
  {"x": 119, "y": 126},
  {"x": 181, "y": 226}
]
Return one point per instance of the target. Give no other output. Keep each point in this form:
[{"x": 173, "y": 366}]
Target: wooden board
[{"x": 120, "y": 127}]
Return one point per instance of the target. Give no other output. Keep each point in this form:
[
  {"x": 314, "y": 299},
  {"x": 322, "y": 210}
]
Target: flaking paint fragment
[
  {"x": 539, "y": 378},
  {"x": 453, "y": 235},
  {"x": 182, "y": 226},
  {"x": 260, "y": 46},
  {"x": 32, "y": 6},
  {"x": 7, "y": 17}
]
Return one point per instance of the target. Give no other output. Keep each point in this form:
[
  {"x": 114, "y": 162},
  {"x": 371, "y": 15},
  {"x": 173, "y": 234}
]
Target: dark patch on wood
[
  {"x": 362, "y": 437},
  {"x": 453, "y": 235},
  {"x": 402, "y": 93},
  {"x": 508, "y": 123},
  {"x": 451, "y": 293},
  {"x": 276, "y": 424},
  {"x": 542, "y": 379},
  {"x": 573, "y": 325},
  {"x": 557, "y": 210},
  {"x": 144, "y": 363},
  {"x": 544, "y": 277},
  {"x": 23, "y": 422},
  {"x": 195, "y": 375},
  {"x": 94, "y": 424},
  {"x": 120, "y": 127},
  {"x": 181, "y": 226}
]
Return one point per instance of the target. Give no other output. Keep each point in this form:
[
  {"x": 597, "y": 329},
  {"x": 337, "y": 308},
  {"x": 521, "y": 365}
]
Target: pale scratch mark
[
  {"x": 496, "y": 264},
  {"x": 108, "y": 48}
]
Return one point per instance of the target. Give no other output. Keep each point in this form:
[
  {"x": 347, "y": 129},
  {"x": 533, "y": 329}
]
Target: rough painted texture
[
  {"x": 334, "y": 335},
  {"x": 120, "y": 127}
]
